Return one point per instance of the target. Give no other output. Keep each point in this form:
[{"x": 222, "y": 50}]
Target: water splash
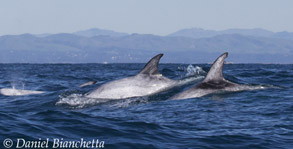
[
  {"x": 79, "y": 101},
  {"x": 194, "y": 71},
  {"x": 17, "y": 85},
  {"x": 76, "y": 100}
]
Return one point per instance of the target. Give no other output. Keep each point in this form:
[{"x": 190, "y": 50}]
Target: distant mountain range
[
  {"x": 99, "y": 32},
  {"x": 185, "y": 46},
  {"x": 257, "y": 32}
]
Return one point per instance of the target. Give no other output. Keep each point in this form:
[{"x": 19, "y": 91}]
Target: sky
[{"x": 160, "y": 17}]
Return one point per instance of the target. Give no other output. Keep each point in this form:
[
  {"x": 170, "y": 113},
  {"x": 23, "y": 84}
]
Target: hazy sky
[{"x": 142, "y": 16}]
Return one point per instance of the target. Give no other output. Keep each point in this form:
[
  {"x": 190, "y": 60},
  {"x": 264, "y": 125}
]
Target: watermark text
[{"x": 53, "y": 143}]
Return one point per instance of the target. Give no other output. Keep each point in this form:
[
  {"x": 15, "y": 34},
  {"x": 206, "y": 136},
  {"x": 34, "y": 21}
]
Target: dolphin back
[{"x": 151, "y": 68}]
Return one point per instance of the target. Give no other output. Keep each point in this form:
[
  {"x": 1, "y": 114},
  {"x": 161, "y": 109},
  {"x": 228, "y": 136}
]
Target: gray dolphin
[
  {"x": 213, "y": 82},
  {"x": 18, "y": 92},
  {"x": 148, "y": 82}
]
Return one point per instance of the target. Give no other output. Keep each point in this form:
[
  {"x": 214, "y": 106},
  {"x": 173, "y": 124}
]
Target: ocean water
[{"x": 248, "y": 119}]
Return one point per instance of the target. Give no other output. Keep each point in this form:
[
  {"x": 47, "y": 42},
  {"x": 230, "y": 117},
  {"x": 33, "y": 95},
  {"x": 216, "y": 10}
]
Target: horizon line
[
  {"x": 103, "y": 63},
  {"x": 205, "y": 29}
]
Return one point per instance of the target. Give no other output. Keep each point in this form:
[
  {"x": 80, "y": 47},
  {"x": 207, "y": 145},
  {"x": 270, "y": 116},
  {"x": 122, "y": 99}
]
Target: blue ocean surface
[{"x": 261, "y": 118}]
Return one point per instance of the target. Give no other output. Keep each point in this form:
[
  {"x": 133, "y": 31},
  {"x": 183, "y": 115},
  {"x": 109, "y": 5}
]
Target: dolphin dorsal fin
[
  {"x": 216, "y": 71},
  {"x": 151, "y": 67}
]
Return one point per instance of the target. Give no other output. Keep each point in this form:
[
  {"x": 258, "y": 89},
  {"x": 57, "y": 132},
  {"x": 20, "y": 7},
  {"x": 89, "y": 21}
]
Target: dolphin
[
  {"x": 147, "y": 82},
  {"x": 22, "y": 92},
  {"x": 18, "y": 92},
  {"x": 213, "y": 82},
  {"x": 88, "y": 83}
]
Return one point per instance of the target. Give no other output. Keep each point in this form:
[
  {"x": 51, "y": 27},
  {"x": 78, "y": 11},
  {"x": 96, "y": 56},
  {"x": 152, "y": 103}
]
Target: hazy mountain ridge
[
  {"x": 75, "y": 48},
  {"x": 98, "y": 32},
  {"x": 257, "y": 32}
]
